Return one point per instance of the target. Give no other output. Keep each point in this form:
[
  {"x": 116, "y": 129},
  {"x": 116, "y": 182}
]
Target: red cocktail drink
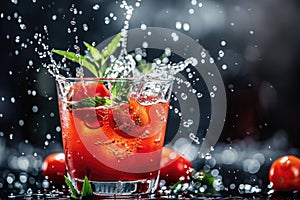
[{"x": 113, "y": 132}]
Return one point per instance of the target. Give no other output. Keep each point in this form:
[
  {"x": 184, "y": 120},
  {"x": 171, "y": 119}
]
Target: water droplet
[
  {"x": 17, "y": 39},
  {"x": 14, "y": 1},
  {"x": 35, "y": 109},
  {"x": 54, "y": 17},
  {"x": 200, "y": 5},
  {"x": 214, "y": 88},
  {"x": 143, "y": 26},
  {"x": 251, "y": 32},
  {"x": 96, "y": 7},
  {"x": 21, "y": 122},
  {"x": 23, "y": 26},
  {"x": 178, "y": 25},
  {"x": 224, "y": 66},
  {"x": 175, "y": 37},
  {"x": 221, "y": 53},
  {"x": 186, "y": 27},
  {"x": 73, "y": 22},
  {"x": 48, "y": 136},
  {"x": 183, "y": 96},
  {"x": 223, "y": 43},
  {"x": 106, "y": 20},
  {"x": 12, "y": 100},
  {"x": 194, "y": 2},
  {"x": 58, "y": 129},
  {"x": 137, "y": 4},
  {"x": 199, "y": 95},
  {"x": 145, "y": 44},
  {"x": 191, "y": 11},
  {"x": 85, "y": 27}
]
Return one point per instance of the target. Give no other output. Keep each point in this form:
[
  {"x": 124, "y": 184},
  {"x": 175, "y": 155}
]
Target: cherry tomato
[
  {"x": 285, "y": 174},
  {"x": 54, "y": 168},
  {"x": 173, "y": 166},
  {"x": 84, "y": 90}
]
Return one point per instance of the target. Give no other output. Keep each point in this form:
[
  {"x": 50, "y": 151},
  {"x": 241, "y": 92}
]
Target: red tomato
[
  {"x": 83, "y": 90},
  {"x": 54, "y": 168},
  {"x": 285, "y": 174},
  {"x": 173, "y": 166}
]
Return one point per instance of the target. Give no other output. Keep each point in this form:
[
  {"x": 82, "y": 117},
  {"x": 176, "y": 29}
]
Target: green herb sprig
[
  {"x": 91, "y": 102},
  {"x": 94, "y": 60},
  {"x": 87, "y": 189}
]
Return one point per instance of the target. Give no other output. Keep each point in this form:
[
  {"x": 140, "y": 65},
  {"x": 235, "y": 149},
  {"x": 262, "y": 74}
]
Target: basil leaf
[
  {"x": 86, "y": 188},
  {"x": 91, "y": 102},
  {"x": 79, "y": 59},
  {"x": 74, "y": 193}
]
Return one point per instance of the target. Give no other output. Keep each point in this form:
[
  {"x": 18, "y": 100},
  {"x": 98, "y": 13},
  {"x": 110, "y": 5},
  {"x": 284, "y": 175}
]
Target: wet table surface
[{"x": 55, "y": 194}]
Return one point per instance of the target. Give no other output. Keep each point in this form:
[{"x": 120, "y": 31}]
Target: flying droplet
[
  {"x": 96, "y": 7},
  {"x": 143, "y": 26},
  {"x": 178, "y": 25},
  {"x": 186, "y": 27}
]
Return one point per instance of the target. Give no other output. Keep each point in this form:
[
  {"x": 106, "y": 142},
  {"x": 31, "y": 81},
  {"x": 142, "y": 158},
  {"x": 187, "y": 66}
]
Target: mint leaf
[
  {"x": 78, "y": 59},
  {"x": 86, "y": 188},
  {"x": 110, "y": 49},
  {"x": 91, "y": 102},
  {"x": 94, "y": 60},
  {"x": 74, "y": 193},
  {"x": 119, "y": 91},
  {"x": 94, "y": 51}
]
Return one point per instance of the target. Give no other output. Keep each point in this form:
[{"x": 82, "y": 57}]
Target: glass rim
[{"x": 131, "y": 79}]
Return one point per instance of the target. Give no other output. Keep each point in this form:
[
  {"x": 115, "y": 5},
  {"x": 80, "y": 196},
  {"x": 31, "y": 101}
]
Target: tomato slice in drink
[
  {"x": 138, "y": 113},
  {"x": 92, "y": 117},
  {"x": 129, "y": 120}
]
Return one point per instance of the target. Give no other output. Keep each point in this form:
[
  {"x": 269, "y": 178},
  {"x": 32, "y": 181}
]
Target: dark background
[{"x": 261, "y": 79}]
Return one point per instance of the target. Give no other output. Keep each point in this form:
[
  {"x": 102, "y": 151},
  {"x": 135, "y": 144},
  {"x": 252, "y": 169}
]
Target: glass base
[{"x": 123, "y": 189}]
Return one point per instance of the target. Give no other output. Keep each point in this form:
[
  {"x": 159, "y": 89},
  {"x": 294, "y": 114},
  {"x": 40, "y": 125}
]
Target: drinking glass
[{"x": 113, "y": 132}]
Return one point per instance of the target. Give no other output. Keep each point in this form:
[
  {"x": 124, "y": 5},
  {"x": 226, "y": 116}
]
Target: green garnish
[
  {"x": 74, "y": 193},
  {"x": 87, "y": 189},
  {"x": 91, "y": 102},
  {"x": 94, "y": 60}
]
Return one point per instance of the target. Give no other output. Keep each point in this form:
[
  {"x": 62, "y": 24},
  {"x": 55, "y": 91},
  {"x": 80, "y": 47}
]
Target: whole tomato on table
[
  {"x": 174, "y": 166},
  {"x": 54, "y": 168},
  {"x": 284, "y": 173}
]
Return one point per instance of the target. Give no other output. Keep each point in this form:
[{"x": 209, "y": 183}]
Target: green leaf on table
[
  {"x": 74, "y": 193},
  {"x": 87, "y": 189},
  {"x": 78, "y": 59},
  {"x": 91, "y": 102}
]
